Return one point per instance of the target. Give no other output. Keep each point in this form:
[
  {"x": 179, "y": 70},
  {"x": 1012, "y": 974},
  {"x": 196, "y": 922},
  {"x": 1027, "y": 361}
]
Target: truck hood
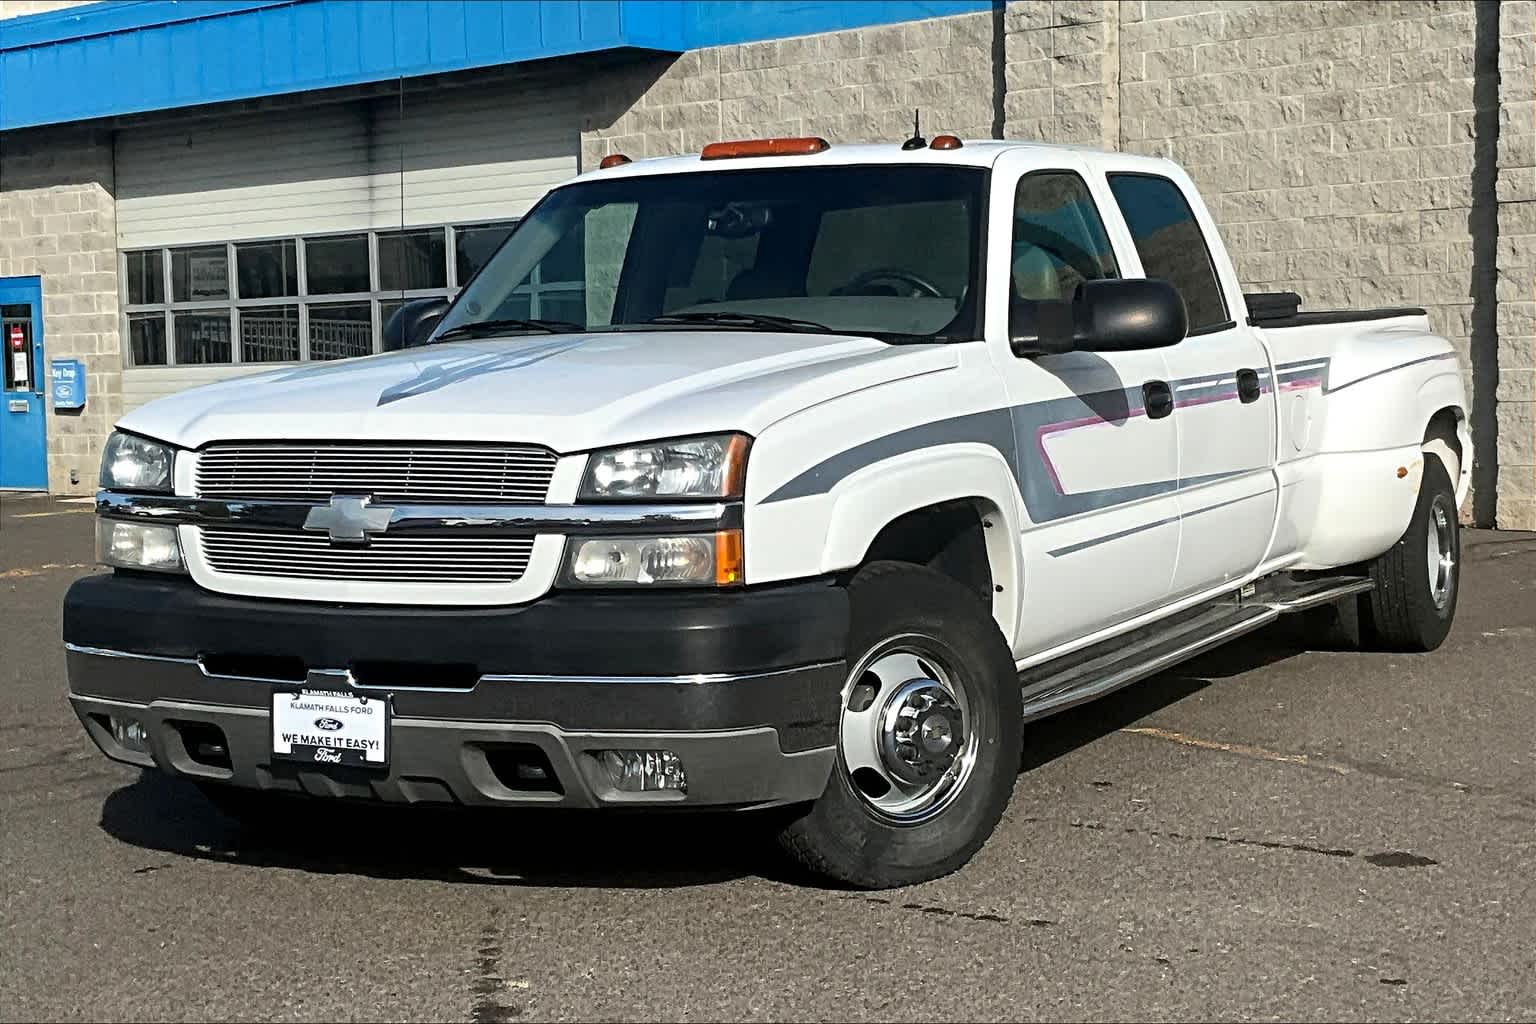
[{"x": 570, "y": 392}]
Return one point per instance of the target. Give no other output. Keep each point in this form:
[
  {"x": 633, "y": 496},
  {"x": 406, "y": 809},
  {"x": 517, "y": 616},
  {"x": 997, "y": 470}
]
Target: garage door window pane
[
  {"x": 200, "y": 274},
  {"x": 146, "y": 338},
  {"x": 413, "y": 259},
  {"x": 267, "y": 270},
  {"x": 476, "y": 244},
  {"x": 336, "y": 265},
  {"x": 269, "y": 334},
  {"x": 340, "y": 330},
  {"x": 146, "y": 281},
  {"x": 202, "y": 337}
]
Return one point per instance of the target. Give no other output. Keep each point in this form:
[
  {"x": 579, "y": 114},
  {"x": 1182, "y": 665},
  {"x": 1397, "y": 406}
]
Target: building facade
[{"x": 193, "y": 191}]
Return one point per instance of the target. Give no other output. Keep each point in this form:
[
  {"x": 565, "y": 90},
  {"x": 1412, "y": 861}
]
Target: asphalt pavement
[{"x": 1266, "y": 832}]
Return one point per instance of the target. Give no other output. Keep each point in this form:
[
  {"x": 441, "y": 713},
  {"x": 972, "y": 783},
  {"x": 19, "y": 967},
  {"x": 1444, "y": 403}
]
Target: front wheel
[{"x": 928, "y": 739}]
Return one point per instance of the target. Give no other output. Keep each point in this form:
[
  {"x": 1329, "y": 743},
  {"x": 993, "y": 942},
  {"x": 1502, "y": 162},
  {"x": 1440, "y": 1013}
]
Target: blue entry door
[{"x": 23, "y": 409}]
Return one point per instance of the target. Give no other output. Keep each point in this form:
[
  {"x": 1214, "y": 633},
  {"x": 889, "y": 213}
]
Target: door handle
[
  {"x": 1157, "y": 399},
  {"x": 1248, "y": 389}
]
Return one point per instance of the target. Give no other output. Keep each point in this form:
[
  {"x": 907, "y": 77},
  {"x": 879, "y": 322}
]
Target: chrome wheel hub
[
  {"x": 906, "y": 734},
  {"x": 1441, "y": 554}
]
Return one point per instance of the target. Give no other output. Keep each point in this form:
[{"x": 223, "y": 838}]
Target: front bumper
[{"x": 743, "y": 686}]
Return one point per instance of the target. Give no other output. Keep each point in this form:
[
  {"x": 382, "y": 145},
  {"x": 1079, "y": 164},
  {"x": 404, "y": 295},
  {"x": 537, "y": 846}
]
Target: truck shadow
[
  {"x": 573, "y": 848},
  {"x": 448, "y": 844}
]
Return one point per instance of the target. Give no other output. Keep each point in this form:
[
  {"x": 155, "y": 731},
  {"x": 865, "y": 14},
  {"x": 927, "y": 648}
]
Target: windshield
[{"x": 880, "y": 250}]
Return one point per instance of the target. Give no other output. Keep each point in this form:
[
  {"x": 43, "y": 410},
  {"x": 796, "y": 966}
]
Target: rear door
[
  {"x": 1221, "y": 378},
  {"x": 1096, "y": 472},
  {"x": 23, "y": 416}
]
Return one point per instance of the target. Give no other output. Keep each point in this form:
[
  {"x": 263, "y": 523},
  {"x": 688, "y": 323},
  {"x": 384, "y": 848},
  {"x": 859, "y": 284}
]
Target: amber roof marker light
[
  {"x": 613, "y": 160},
  {"x": 764, "y": 147},
  {"x": 945, "y": 142}
]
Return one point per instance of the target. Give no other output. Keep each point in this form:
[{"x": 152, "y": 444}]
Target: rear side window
[{"x": 1171, "y": 244}]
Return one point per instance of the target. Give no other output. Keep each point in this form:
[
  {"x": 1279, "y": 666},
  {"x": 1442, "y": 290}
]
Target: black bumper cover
[{"x": 578, "y": 639}]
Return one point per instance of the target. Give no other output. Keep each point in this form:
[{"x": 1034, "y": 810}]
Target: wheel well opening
[
  {"x": 1444, "y": 426},
  {"x": 947, "y": 538}
]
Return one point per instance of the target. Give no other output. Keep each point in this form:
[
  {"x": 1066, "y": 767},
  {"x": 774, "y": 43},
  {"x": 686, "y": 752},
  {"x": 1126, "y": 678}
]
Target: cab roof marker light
[
  {"x": 945, "y": 142},
  {"x": 613, "y": 160},
  {"x": 764, "y": 147}
]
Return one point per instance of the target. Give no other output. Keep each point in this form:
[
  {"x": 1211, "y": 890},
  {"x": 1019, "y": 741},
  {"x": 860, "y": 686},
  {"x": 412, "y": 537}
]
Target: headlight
[
  {"x": 703, "y": 559},
  {"x": 137, "y": 546},
  {"x": 132, "y": 463},
  {"x": 696, "y": 467}
]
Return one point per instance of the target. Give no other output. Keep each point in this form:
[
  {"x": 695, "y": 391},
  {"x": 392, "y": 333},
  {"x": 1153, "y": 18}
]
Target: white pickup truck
[{"x": 786, "y": 475}]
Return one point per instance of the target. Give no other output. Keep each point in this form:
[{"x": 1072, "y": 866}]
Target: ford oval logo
[{"x": 327, "y": 724}]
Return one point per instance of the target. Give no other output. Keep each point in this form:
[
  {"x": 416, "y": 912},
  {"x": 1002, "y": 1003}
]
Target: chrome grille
[
  {"x": 442, "y": 474},
  {"x": 399, "y": 559}
]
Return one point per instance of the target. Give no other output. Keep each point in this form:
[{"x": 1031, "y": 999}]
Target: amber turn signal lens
[
  {"x": 730, "y": 566},
  {"x": 763, "y": 147},
  {"x": 613, "y": 160}
]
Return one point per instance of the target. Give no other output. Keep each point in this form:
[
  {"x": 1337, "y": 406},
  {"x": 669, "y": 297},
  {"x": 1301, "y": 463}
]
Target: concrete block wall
[
  {"x": 1063, "y": 71},
  {"x": 855, "y": 86},
  {"x": 17, "y": 8},
  {"x": 1333, "y": 141},
  {"x": 58, "y": 220},
  {"x": 1516, "y": 315}
]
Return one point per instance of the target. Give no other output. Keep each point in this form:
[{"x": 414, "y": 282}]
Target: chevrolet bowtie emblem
[{"x": 349, "y": 520}]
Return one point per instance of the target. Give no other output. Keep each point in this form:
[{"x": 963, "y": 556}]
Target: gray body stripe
[
  {"x": 993, "y": 427},
  {"x": 1013, "y": 432},
  {"x": 1378, "y": 373},
  {"x": 1143, "y": 527}
]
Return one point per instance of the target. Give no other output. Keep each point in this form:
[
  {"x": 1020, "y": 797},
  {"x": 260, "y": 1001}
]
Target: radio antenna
[{"x": 916, "y": 141}]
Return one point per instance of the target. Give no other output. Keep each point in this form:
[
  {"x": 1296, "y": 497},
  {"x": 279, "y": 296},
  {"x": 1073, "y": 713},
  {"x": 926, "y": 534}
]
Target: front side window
[
  {"x": 1171, "y": 244},
  {"x": 1058, "y": 238},
  {"x": 884, "y": 251}
]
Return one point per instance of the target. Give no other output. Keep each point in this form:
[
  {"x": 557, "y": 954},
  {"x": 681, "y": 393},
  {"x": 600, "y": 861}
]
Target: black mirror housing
[
  {"x": 412, "y": 324},
  {"x": 1111, "y": 315}
]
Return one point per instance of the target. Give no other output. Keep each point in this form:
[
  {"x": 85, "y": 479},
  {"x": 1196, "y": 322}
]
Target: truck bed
[{"x": 1279, "y": 310}]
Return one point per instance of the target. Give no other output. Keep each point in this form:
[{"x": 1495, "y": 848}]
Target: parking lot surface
[{"x": 1266, "y": 832}]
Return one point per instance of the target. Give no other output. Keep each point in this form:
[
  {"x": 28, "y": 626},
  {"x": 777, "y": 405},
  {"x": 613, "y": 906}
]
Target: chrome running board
[{"x": 1105, "y": 667}]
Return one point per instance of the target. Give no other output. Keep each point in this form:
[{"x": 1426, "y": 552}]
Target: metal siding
[
  {"x": 144, "y": 385},
  {"x": 471, "y": 154},
  {"x": 56, "y": 68}
]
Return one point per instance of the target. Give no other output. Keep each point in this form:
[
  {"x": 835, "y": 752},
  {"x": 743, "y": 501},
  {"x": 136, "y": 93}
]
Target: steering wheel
[{"x": 919, "y": 285}]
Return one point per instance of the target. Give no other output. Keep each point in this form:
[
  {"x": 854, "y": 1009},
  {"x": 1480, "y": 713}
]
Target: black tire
[
  {"x": 1402, "y": 612},
  {"x": 842, "y": 837}
]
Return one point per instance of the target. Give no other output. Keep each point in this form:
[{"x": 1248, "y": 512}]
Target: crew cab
[{"x": 786, "y": 475}]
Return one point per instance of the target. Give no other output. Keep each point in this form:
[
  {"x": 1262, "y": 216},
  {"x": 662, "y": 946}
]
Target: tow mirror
[
  {"x": 1115, "y": 315},
  {"x": 412, "y": 324}
]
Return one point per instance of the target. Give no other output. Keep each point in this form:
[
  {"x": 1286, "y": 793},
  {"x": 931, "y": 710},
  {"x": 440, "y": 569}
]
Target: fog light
[
  {"x": 130, "y": 734},
  {"x": 640, "y": 771}
]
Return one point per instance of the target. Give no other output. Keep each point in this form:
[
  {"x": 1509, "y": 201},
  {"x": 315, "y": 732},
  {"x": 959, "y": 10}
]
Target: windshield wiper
[
  {"x": 745, "y": 321},
  {"x": 480, "y": 328}
]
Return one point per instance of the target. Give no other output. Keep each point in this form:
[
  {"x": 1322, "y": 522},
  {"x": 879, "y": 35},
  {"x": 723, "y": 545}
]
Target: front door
[
  {"x": 1097, "y": 461},
  {"x": 23, "y": 416}
]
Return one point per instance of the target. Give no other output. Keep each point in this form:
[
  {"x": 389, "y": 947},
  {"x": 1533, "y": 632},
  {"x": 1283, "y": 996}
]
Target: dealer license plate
[{"x": 330, "y": 727}]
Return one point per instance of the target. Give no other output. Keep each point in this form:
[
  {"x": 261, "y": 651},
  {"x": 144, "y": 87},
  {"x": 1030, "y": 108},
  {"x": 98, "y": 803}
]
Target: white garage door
[{"x": 317, "y": 180}]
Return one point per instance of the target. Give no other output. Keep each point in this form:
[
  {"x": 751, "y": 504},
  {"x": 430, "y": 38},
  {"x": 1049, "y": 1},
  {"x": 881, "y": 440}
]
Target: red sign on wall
[{"x": 17, "y": 341}]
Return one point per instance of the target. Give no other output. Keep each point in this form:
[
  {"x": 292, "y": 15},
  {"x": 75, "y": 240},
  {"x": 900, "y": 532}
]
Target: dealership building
[{"x": 191, "y": 191}]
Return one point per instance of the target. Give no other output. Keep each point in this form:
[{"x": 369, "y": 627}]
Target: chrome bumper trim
[
  {"x": 344, "y": 676},
  {"x": 571, "y": 520}
]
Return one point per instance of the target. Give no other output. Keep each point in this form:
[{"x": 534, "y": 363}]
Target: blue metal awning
[{"x": 133, "y": 56}]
